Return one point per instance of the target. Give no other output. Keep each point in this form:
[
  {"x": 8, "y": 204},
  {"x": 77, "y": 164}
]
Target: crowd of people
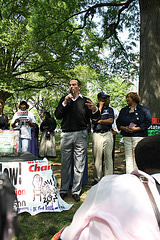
[
  {"x": 24, "y": 122},
  {"x": 105, "y": 214},
  {"x": 78, "y": 114},
  {"x": 117, "y": 207}
]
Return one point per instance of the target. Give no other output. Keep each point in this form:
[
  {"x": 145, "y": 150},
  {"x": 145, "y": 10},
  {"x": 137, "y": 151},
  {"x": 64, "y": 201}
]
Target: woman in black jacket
[{"x": 133, "y": 122}]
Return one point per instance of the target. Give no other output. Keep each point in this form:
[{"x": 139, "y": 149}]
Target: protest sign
[
  {"x": 35, "y": 186},
  {"x": 154, "y": 129},
  {"x": 22, "y": 115}
]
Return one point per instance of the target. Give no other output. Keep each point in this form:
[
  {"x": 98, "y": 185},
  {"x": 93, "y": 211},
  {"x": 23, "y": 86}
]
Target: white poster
[
  {"x": 35, "y": 186},
  {"x": 9, "y": 142}
]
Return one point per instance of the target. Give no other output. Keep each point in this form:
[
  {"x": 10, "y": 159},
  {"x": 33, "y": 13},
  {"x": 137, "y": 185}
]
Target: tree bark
[{"x": 149, "y": 82}]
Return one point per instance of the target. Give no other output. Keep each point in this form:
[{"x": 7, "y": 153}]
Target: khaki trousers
[{"x": 102, "y": 153}]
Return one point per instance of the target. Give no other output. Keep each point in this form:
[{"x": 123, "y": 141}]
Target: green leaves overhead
[
  {"x": 42, "y": 41},
  {"x": 33, "y": 40}
]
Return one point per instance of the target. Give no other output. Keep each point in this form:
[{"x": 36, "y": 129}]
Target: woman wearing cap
[
  {"x": 23, "y": 120},
  {"x": 4, "y": 125},
  {"x": 133, "y": 122}
]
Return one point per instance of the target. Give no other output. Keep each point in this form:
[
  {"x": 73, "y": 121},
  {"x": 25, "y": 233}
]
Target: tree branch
[{"x": 112, "y": 27}]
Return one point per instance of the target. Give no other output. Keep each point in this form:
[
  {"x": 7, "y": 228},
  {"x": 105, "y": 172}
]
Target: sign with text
[
  {"x": 154, "y": 129},
  {"x": 35, "y": 186},
  {"x": 156, "y": 121},
  {"x": 9, "y": 142},
  {"x": 22, "y": 115}
]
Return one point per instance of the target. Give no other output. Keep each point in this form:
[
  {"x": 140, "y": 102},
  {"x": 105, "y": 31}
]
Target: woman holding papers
[
  {"x": 23, "y": 120},
  {"x": 133, "y": 122}
]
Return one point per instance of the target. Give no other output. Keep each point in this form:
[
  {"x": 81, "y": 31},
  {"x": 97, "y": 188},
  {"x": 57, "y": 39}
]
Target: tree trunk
[{"x": 149, "y": 82}]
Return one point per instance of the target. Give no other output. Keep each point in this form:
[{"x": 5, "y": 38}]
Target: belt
[{"x": 102, "y": 131}]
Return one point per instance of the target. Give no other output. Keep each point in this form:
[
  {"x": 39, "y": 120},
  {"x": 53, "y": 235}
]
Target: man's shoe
[
  {"x": 63, "y": 195},
  {"x": 76, "y": 197}
]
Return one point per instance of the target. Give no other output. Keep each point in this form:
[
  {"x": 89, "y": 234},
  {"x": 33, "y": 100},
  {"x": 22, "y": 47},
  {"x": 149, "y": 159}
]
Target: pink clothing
[{"x": 117, "y": 208}]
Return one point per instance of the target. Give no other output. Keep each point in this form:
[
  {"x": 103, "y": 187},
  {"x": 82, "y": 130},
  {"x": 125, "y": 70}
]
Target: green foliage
[
  {"x": 42, "y": 37},
  {"x": 43, "y": 44},
  {"x": 38, "y": 47},
  {"x": 116, "y": 87}
]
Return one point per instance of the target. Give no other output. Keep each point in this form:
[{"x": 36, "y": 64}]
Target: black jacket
[
  {"x": 4, "y": 125},
  {"x": 141, "y": 117}
]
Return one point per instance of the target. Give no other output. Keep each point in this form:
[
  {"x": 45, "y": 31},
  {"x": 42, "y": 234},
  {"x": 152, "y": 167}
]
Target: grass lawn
[{"x": 44, "y": 225}]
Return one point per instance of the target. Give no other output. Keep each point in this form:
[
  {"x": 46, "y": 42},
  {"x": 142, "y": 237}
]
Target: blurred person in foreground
[
  {"x": 133, "y": 122},
  {"x": 119, "y": 207},
  {"x": 8, "y": 210}
]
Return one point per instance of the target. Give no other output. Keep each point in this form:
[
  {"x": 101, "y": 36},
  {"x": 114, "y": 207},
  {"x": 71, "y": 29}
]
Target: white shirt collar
[{"x": 79, "y": 95}]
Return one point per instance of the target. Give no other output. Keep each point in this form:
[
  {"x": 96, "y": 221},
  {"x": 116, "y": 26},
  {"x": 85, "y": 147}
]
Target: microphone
[{"x": 71, "y": 92}]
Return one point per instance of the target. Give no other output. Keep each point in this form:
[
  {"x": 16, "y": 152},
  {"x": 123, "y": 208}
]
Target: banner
[{"x": 35, "y": 186}]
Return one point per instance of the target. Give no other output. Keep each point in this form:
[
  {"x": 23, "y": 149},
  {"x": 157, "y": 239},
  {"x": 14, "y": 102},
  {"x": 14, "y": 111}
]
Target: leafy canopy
[{"x": 50, "y": 38}]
